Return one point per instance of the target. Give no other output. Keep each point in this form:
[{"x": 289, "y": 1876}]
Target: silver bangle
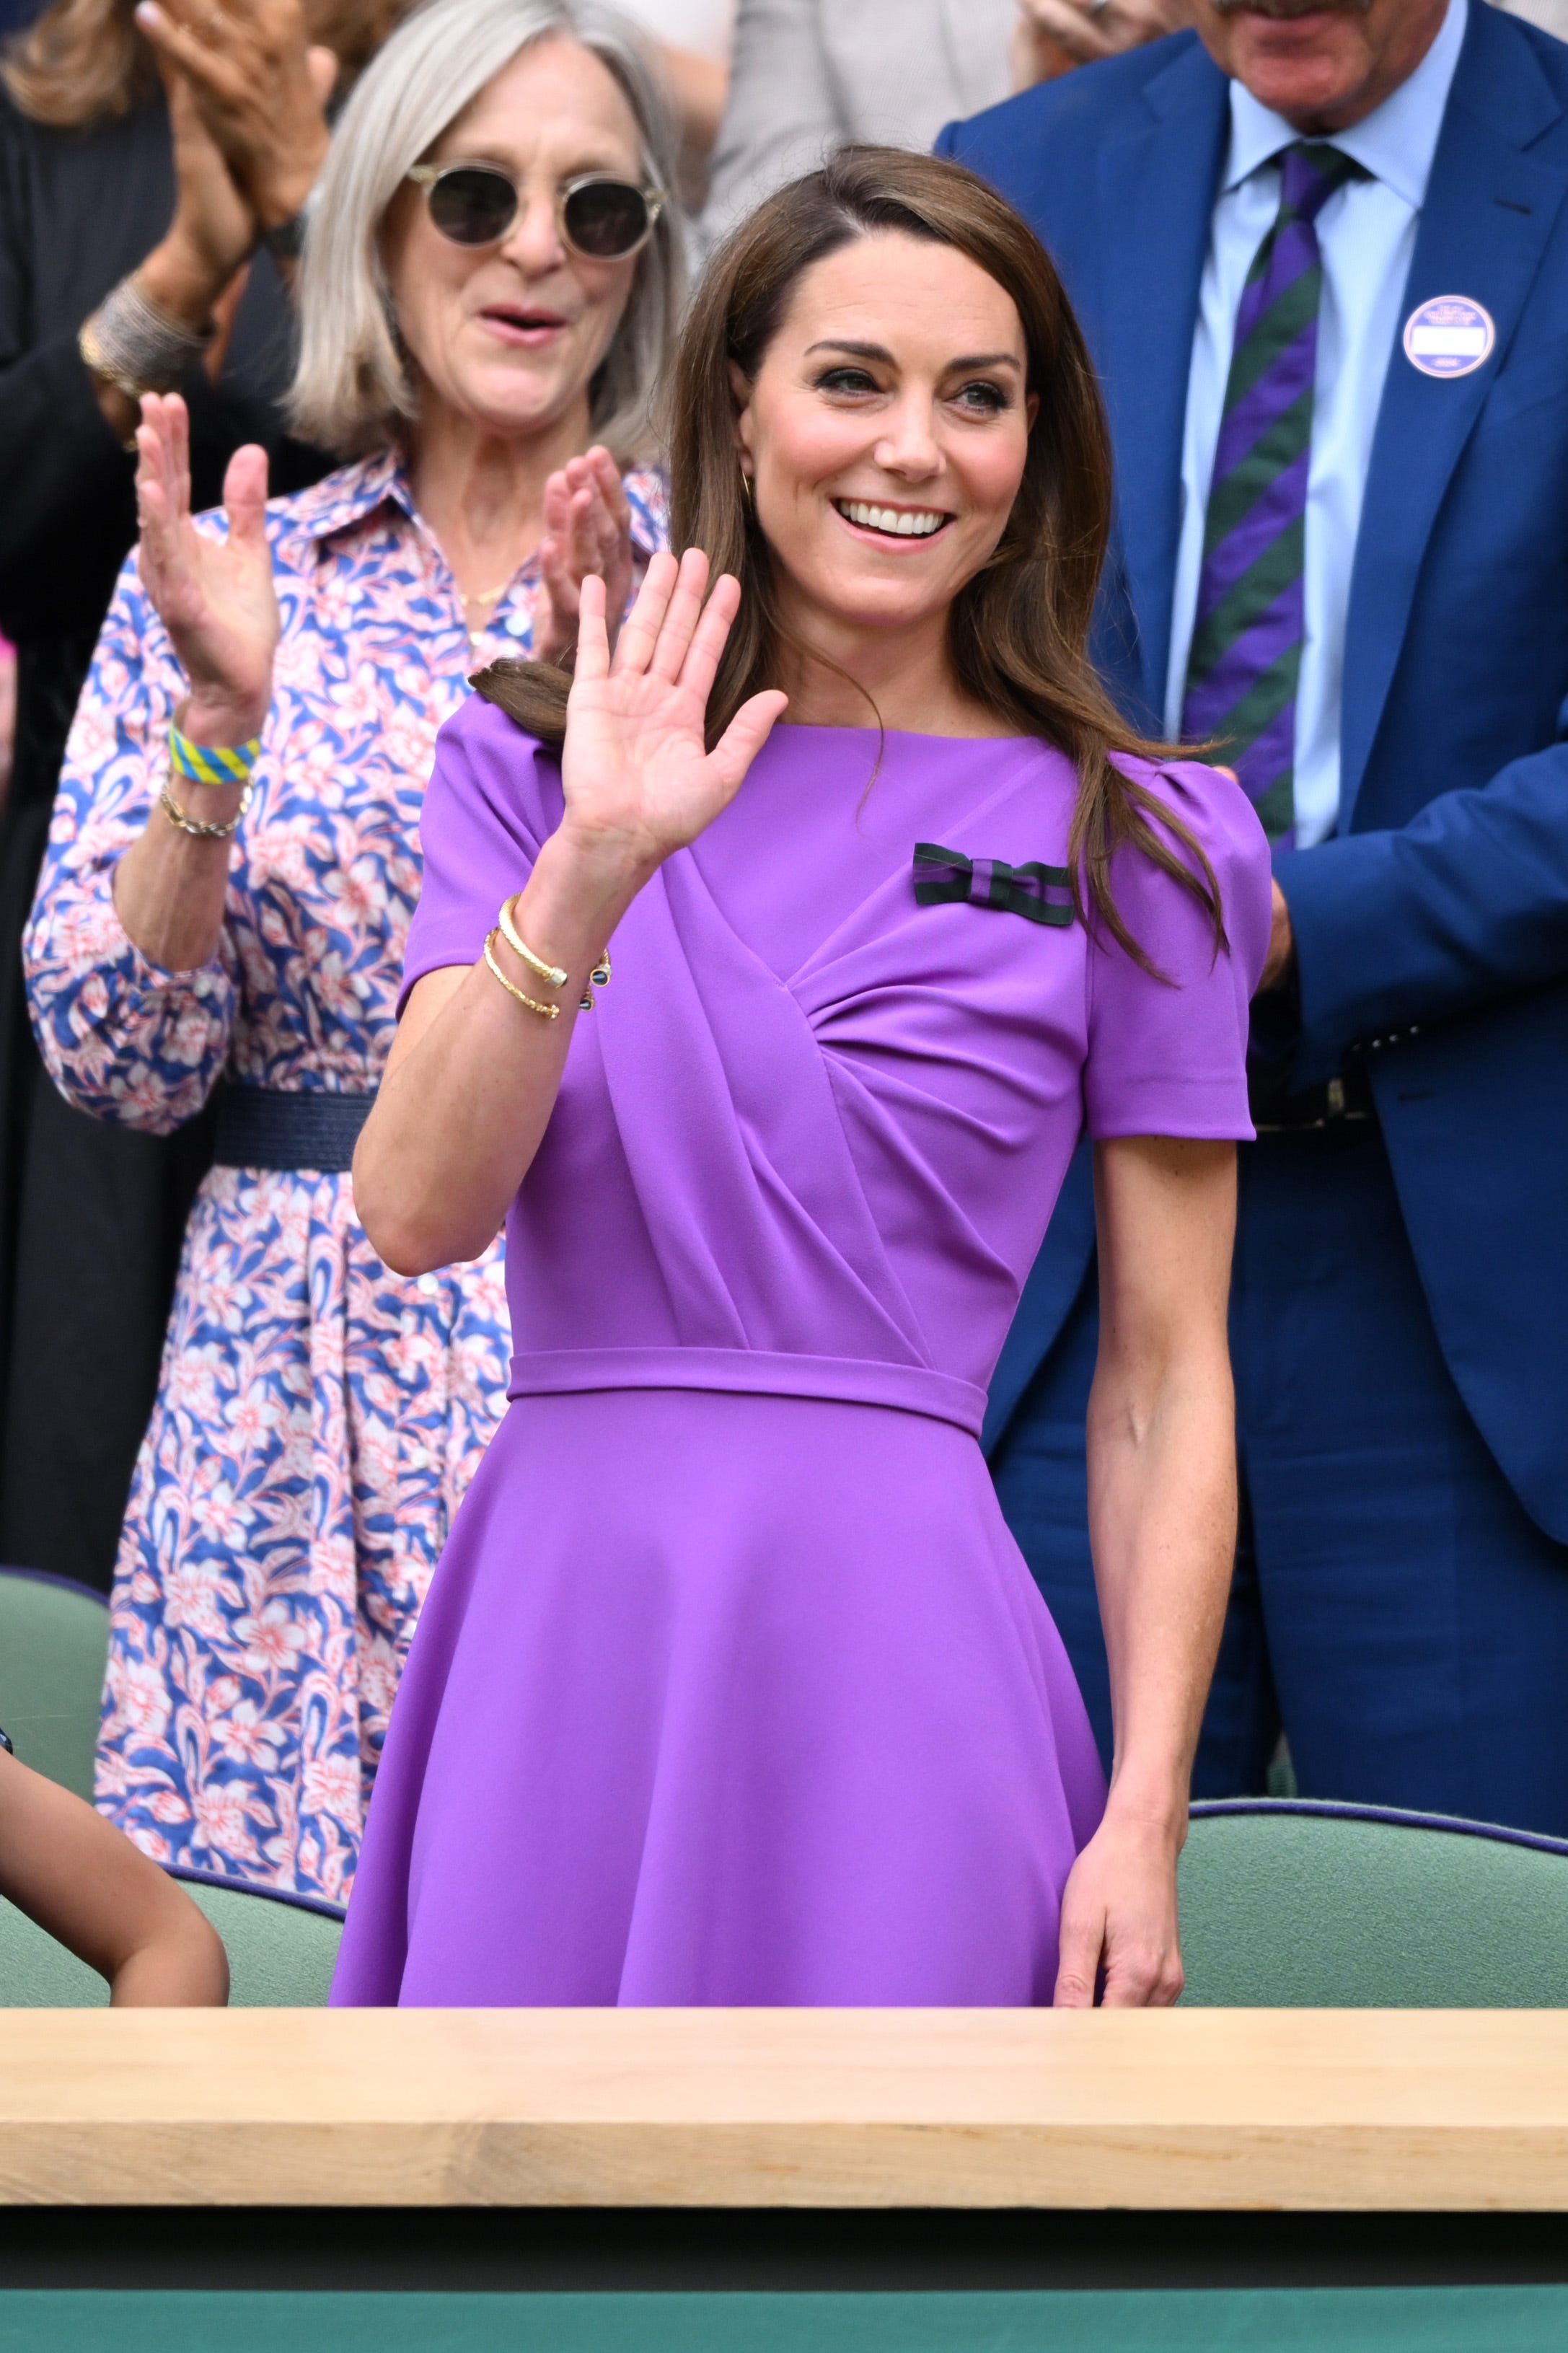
[{"x": 129, "y": 341}]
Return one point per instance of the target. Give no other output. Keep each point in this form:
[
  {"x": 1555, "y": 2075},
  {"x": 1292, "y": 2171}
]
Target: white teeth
[{"x": 900, "y": 523}]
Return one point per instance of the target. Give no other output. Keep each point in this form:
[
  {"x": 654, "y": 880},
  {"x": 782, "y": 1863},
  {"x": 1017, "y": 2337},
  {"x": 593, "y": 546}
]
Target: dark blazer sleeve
[{"x": 1467, "y": 903}]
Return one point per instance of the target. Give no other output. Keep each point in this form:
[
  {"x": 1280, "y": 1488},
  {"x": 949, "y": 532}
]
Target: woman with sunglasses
[{"x": 488, "y": 292}]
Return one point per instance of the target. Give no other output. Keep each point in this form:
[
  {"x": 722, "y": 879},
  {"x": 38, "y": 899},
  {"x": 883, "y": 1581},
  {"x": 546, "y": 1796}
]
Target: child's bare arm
[{"x": 81, "y": 1880}]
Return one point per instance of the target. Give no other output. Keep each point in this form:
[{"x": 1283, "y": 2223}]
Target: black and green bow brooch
[{"x": 943, "y": 875}]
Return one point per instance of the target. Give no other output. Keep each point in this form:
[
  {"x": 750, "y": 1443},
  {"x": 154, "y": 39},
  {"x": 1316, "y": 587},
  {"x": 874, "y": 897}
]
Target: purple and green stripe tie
[{"x": 1250, "y": 623}]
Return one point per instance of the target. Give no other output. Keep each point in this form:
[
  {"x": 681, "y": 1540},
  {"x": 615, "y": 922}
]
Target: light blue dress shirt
[{"x": 1366, "y": 233}]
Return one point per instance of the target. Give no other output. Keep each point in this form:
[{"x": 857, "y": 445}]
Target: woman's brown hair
[
  {"x": 1019, "y": 629},
  {"x": 83, "y": 61}
]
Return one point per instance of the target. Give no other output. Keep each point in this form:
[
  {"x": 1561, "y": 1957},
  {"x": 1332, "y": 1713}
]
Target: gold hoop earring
[{"x": 747, "y": 491}]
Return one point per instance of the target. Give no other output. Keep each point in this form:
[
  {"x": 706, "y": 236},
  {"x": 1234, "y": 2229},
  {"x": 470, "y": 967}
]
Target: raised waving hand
[
  {"x": 215, "y": 597},
  {"x": 638, "y": 779}
]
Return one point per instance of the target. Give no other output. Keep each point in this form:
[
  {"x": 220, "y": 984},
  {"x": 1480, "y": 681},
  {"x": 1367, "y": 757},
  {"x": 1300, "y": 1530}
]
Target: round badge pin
[{"x": 1451, "y": 336}]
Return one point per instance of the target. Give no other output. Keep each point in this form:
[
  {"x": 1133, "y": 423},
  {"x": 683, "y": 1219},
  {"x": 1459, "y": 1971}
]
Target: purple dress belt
[{"x": 753, "y": 1372}]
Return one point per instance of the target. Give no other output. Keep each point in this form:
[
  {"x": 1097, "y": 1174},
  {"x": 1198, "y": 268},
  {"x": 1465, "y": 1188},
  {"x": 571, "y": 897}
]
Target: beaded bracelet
[
  {"x": 212, "y": 764},
  {"x": 545, "y": 1012}
]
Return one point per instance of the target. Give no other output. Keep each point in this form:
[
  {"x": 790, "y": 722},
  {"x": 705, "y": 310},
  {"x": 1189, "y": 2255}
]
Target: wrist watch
[{"x": 286, "y": 240}]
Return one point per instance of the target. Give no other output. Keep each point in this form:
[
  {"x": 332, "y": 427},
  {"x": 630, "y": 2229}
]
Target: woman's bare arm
[
  {"x": 84, "y": 1883},
  {"x": 473, "y": 1077},
  {"x": 1162, "y": 1512}
]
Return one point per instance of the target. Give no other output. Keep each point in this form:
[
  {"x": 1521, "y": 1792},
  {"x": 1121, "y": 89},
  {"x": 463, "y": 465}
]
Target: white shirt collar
[{"x": 1395, "y": 143}]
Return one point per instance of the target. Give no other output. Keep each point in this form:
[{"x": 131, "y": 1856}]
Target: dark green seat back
[
  {"x": 1297, "y": 1905},
  {"x": 54, "y": 1642}
]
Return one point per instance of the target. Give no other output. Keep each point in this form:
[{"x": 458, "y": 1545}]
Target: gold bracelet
[
  {"x": 548, "y": 1012},
  {"x": 194, "y": 826},
  {"x": 552, "y": 975}
]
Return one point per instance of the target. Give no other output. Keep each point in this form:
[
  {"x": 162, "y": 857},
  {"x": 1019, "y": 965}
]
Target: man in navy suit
[{"x": 1321, "y": 256}]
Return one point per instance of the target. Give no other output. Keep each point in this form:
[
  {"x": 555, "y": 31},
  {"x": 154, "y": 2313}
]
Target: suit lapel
[
  {"x": 1157, "y": 185},
  {"x": 1489, "y": 211}
]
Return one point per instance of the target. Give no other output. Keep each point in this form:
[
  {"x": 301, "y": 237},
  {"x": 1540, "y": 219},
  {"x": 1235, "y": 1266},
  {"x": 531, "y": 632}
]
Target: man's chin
[{"x": 1305, "y": 68}]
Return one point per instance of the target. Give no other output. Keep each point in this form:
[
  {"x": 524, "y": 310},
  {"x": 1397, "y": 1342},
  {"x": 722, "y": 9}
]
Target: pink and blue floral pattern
[{"x": 318, "y": 1417}]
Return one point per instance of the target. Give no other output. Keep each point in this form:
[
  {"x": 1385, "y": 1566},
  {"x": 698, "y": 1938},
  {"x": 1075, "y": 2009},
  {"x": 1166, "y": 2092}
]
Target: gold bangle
[
  {"x": 548, "y": 1012},
  {"x": 552, "y": 975},
  {"x": 196, "y": 827}
]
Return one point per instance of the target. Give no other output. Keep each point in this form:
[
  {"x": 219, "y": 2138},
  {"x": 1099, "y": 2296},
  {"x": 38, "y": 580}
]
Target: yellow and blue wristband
[{"x": 205, "y": 763}]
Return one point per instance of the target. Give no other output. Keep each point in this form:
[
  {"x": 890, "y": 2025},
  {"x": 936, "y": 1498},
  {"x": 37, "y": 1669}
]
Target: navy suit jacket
[{"x": 1432, "y": 927}]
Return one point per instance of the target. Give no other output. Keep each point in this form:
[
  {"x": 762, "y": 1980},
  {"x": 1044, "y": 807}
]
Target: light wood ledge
[{"x": 1373, "y": 2109}]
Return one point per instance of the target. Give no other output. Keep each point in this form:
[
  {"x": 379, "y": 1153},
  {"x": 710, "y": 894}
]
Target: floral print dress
[{"x": 317, "y": 1418}]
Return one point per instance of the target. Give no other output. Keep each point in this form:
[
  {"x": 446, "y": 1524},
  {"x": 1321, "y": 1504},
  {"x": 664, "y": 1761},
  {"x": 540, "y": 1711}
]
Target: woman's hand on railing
[
  {"x": 587, "y": 531},
  {"x": 1120, "y": 1941},
  {"x": 215, "y": 597}
]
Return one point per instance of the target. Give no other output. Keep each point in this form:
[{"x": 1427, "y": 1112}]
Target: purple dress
[{"x": 731, "y": 1687}]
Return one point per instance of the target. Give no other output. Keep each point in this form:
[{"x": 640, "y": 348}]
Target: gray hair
[{"x": 352, "y": 384}]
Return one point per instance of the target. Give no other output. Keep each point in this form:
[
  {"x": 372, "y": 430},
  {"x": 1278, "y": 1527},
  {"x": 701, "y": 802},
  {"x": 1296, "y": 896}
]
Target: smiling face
[
  {"x": 508, "y": 335},
  {"x": 885, "y": 434}
]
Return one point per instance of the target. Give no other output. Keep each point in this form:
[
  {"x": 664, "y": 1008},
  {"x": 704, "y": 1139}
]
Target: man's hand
[
  {"x": 1053, "y": 35},
  {"x": 1281, "y": 945},
  {"x": 260, "y": 87}
]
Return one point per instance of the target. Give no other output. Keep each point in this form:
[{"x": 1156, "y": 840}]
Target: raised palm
[
  {"x": 636, "y": 769},
  {"x": 215, "y": 597}
]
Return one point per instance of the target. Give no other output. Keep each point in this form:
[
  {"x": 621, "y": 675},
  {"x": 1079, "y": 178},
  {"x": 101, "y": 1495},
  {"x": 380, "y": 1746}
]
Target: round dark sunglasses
[{"x": 603, "y": 219}]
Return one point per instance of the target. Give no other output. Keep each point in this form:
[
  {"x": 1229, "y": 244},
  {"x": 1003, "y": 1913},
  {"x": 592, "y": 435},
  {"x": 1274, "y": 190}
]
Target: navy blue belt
[{"x": 273, "y": 1127}]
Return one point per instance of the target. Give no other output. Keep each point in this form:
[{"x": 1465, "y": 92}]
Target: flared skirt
[{"x": 725, "y": 1699}]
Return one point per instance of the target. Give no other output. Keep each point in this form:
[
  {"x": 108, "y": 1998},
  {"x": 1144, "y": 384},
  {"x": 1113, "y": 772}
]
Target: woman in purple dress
[{"x": 733, "y": 1686}]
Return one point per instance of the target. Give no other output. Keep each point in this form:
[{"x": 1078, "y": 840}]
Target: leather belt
[
  {"x": 1336, "y": 1103},
  {"x": 279, "y": 1128}
]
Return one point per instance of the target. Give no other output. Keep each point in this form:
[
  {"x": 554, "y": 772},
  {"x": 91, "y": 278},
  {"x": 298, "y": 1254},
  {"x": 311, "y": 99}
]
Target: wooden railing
[{"x": 1202, "y": 2108}]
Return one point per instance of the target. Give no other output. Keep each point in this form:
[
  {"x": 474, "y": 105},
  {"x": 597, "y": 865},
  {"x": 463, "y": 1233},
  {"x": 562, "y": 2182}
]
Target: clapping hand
[
  {"x": 261, "y": 88},
  {"x": 638, "y": 779},
  {"x": 215, "y": 597},
  {"x": 587, "y": 531}
]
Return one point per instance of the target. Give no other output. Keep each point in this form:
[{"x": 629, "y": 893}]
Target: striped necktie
[{"x": 1248, "y": 626}]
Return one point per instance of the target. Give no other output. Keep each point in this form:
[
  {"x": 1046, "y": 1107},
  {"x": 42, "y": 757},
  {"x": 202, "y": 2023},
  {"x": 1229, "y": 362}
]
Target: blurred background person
[
  {"x": 489, "y": 287},
  {"x": 691, "y": 41},
  {"x": 1052, "y": 37},
  {"x": 807, "y": 75},
  {"x": 131, "y": 256}
]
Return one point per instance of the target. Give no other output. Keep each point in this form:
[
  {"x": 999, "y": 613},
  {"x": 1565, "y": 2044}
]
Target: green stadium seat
[
  {"x": 282, "y": 1950},
  {"x": 1294, "y": 1904},
  {"x": 54, "y": 1640}
]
